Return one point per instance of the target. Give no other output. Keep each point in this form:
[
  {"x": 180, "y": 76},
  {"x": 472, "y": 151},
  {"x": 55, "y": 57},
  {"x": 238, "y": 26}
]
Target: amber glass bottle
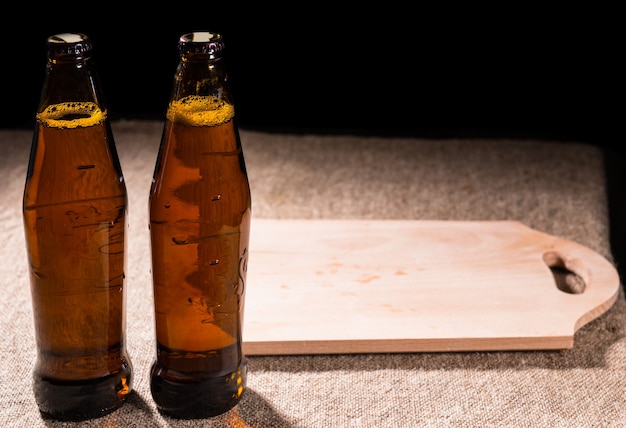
[
  {"x": 74, "y": 209},
  {"x": 199, "y": 226}
]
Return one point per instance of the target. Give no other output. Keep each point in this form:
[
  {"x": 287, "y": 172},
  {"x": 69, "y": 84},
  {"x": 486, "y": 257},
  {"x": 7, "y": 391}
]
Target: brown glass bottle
[
  {"x": 200, "y": 210},
  {"x": 74, "y": 209}
]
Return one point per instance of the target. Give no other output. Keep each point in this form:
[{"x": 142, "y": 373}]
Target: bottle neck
[
  {"x": 198, "y": 75},
  {"x": 71, "y": 94},
  {"x": 70, "y": 80},
  {"x": 200, "y": 96}
]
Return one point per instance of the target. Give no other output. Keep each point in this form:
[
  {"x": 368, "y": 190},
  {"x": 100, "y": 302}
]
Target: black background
[{"x": 541, "y": 73}]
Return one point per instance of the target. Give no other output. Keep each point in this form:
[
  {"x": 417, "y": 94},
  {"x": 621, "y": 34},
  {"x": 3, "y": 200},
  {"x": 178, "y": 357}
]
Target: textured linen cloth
[{"x": 556, "y": 188}]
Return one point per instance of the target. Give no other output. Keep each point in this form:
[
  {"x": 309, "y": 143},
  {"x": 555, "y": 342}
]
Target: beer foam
[
  {"x": 71, "y": 115},
  {"x": 197, "y": 110}
]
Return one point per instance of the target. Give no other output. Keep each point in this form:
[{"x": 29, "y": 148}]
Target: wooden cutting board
[{"x": 361, "y": 286}]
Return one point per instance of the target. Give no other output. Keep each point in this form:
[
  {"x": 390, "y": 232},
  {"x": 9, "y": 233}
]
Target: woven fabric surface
[{"x": 554, "y": 187}]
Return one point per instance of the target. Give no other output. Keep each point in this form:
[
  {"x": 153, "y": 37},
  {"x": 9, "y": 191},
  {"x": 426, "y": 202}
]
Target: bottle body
[
  {"x": 199, "y": 228},
  {"x": 200, "y": 210},
  {"x": 74, "y": 212}
]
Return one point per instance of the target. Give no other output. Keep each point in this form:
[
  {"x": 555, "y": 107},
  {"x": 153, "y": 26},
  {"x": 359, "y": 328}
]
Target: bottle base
[
  {"x": 74, "y": 401},
  {"x": 182, "y": 397}
]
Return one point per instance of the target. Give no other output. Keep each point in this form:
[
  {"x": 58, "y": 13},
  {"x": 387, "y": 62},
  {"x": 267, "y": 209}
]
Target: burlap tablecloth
[{"x": 557, "y": 188}]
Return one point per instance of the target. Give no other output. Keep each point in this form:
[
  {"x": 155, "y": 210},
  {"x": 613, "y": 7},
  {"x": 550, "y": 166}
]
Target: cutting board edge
[
  {"x": 380, "y": 346},
  {"x": 598, "y": 311}
]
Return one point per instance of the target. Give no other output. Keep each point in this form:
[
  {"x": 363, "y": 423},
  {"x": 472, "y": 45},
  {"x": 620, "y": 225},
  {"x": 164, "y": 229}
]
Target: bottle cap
[
  {"x": 70, "y": 43},
  {"x": 201, "y": 42}
]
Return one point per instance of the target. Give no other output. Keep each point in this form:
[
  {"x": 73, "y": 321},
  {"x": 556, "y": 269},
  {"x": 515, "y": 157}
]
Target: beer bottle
[
  {"x": 74, "y": 212},
  {"x": 199, "y": 209}
]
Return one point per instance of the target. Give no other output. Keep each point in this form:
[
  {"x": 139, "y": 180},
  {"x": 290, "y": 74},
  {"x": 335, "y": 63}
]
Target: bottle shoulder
[{"x": 73, "y": 163}]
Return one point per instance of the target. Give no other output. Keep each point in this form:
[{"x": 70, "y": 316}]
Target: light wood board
[{"x": 372, "y": 286}]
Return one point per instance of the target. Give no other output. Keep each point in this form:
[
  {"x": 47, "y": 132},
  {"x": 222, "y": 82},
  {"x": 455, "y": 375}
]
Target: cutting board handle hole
[{"x": 565, "y": 279}]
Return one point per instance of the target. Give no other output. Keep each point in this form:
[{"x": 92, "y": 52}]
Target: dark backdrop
[{"x": 453, "y": 72}]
